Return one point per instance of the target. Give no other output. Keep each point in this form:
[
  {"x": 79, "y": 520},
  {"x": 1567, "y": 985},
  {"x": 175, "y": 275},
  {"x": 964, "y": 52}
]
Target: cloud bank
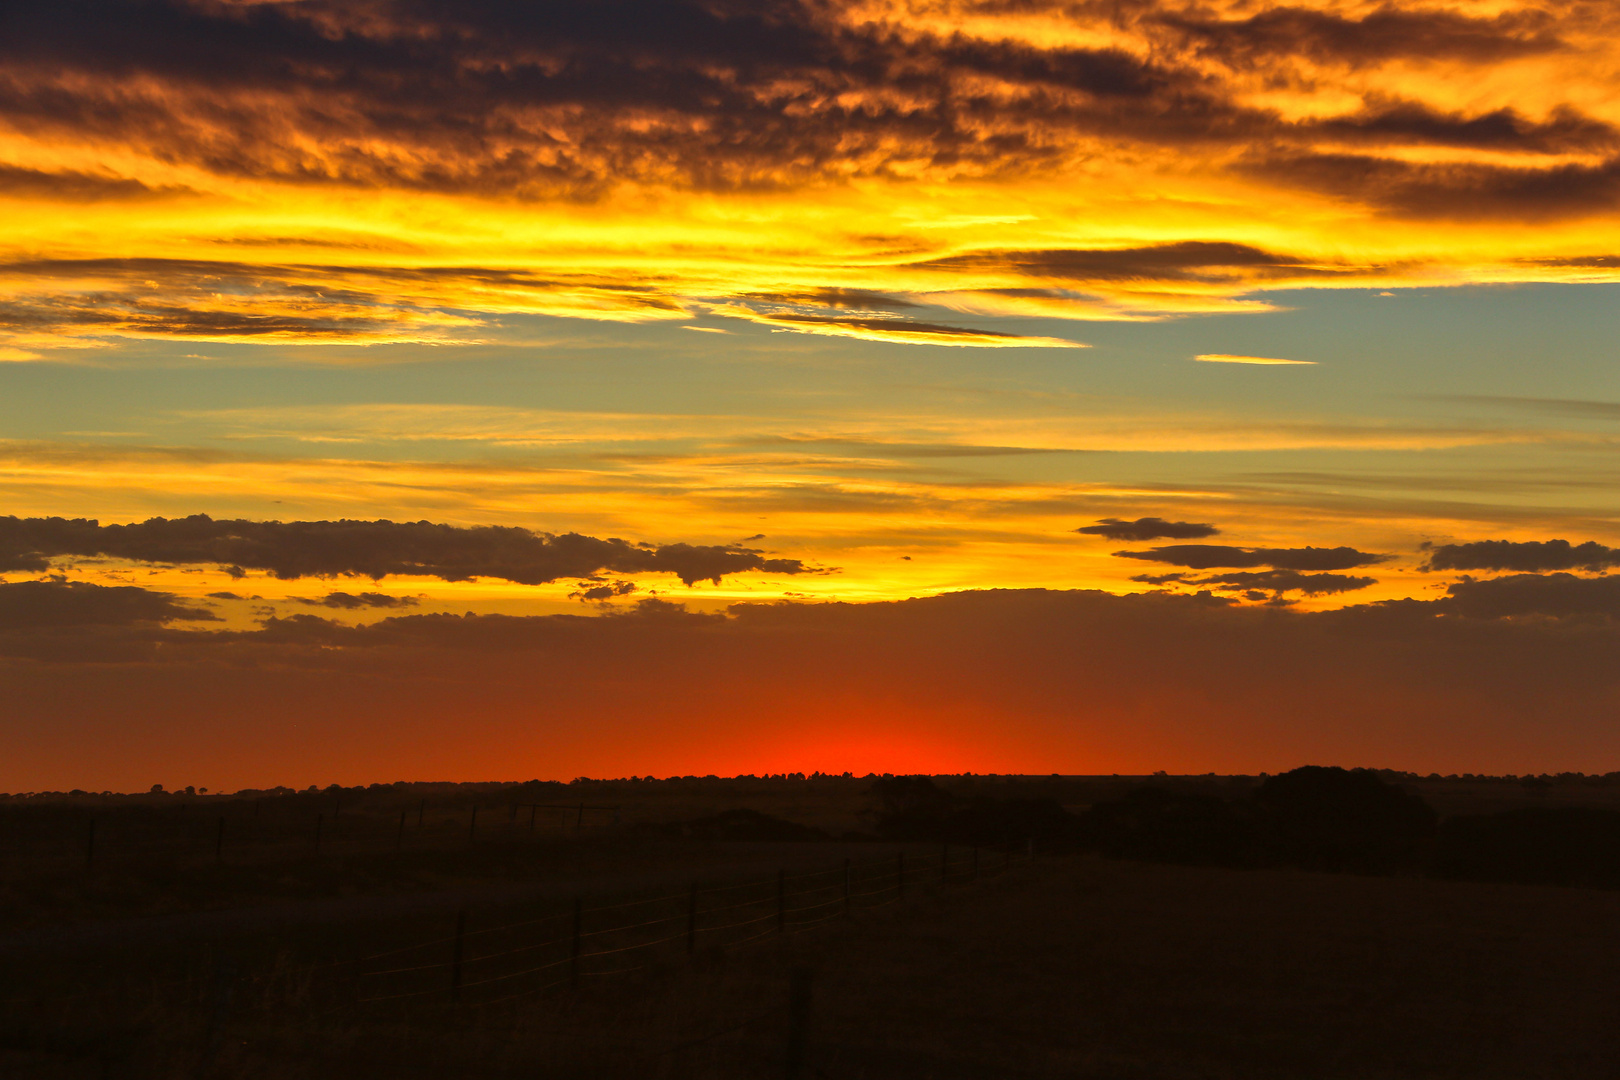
[
  {"x": 993, "y": 681},
  {"x": 373, "y": 549},
  {"x": 779, "y": 148}
]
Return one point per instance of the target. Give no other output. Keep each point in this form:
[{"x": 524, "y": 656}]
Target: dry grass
[{"x": 1071, "y": 967}]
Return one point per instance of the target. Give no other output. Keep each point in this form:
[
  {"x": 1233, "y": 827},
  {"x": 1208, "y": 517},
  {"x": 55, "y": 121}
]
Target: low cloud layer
[
  {"x": 1556, "y": 595},
  {"x": 373, "y": 549},
  {"x": 1524, "y": 556},
  {"x": 993, "y": 681},
  {"x": 27, "y": 607},
  {"x": 1148, "y": 528},
  {"x": 1220, "y": 556}
]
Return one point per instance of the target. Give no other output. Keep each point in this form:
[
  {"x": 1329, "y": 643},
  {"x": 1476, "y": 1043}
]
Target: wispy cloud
[{"x": 1263, "y": 361}]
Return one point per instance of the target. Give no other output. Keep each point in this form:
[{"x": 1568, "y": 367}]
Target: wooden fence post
[
  {"x": 533, "y": 810},
  {"x": 421, "y": 811},
  {"x": 798, "y": 1020}
]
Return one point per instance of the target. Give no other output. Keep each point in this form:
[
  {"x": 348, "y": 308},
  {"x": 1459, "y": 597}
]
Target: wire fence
[
  {"x": 572, "y": 947},
  {"x": 436, "y": 984}
]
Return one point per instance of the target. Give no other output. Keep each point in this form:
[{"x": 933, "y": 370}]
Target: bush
[{"x": 1573, "y": 845}]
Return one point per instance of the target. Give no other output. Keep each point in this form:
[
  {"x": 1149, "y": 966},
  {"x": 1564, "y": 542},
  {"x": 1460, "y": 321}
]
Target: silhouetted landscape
[{"x": 1322, "y": 922}]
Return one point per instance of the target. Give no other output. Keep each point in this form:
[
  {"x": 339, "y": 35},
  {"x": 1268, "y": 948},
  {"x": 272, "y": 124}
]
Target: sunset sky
[{"x": 665, "y": 387}]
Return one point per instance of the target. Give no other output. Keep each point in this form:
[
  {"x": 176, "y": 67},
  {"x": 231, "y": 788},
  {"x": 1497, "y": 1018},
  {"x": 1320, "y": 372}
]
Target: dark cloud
[
  {"x": 225, "y": 299},
  {"x": 1565, "y": 131},
  {"x": 1250, "y": 582},
  {"x": 354, "y": 601},
  {"x": 889, "y": 326},
  {"x": 377, "y": 548},
  {"x": 602, "y": 592},
  {"x": 856, "y": 299},
  {"x": 1451, "y": 190},
  {"x": 1214, "y": 556},
  {"x": 1528, "y": 556},
  {"x": 1188, "y": 261},
  {"x": 225, "y": 596},
  {"x": 70, "y": 186},
  {"x": 556, "y": 97},
  {"x": 1555, "y": 595},
  {"x": 1148, "y": 528},
  {"x": 1387, "y": 33},
  {"x": 37, "y": 605}
]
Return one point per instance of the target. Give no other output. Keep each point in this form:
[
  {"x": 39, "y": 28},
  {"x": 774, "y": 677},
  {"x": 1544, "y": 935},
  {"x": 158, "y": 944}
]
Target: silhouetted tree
[{"x": 1328, "y": 818}]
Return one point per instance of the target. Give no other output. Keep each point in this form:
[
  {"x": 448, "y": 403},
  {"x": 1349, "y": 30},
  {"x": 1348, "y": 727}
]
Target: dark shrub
[
  {"x": 1340, "y": 819},
  {"x": 915, "y": 808},
  {"x": 1574, "y": 845},
  {"x": 1163, "y": 825},
  {"x": 748, "y": 825}
]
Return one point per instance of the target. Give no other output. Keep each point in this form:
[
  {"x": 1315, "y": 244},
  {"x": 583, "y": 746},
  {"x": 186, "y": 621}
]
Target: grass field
[{"x": 1059, "y": 966}]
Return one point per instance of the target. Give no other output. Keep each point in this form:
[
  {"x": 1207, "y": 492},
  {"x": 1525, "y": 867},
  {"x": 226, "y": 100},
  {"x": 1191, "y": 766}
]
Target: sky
[{"x": 399, "y": 389}]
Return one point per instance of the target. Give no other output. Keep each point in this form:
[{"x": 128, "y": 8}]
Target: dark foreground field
[{"x": 1061, "y": 966}]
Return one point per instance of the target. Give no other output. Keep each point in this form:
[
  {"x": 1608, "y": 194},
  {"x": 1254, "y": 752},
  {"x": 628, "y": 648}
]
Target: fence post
[
  {"x": 533, "y": 810},
  {"x": 219, "y": 1004},
  {"x": 573, "y": 955},
  {"x": 899, "y": 875},
  {"x": 219, "y": 841},
  {"x": 320, "y": 819},
  {"x": 798, "y": 1020},
  {"x": 691, "y": 922},
  {"x": 456, "y": 953},
  {"x": 90, "y": 846},
  {"x": 472, "y": 830},
  {"x": 781, "y": 901},
  {"x": 846, "y": 884}
]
